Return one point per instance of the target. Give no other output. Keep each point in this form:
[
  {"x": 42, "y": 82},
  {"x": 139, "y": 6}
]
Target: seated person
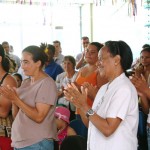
[
  {"x": 66, "y": 77},
  {"x": 18, "y": 78},
  {"x": 62, "y": 115}
]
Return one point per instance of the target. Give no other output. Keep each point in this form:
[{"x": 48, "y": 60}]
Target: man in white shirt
[
  {"x": 80, "y": 62},
  {"x": 58, "y": 57}
]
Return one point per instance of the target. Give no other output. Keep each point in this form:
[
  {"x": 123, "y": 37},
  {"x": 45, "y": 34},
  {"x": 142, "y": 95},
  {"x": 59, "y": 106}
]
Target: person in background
[
  {"x": 144, "y": 64},
  {"x": 13, "y": 57},
  {"x": 62, "y": 117},
  {"x": 34, "y": 103},
  {"x": 5, "y": 103},
  {"x": 141, "y": 85},
  {"x": 113, "y": 117},
  {"x": 80, "y": 60},
  {"x": 58, "y": 57},
  {"x": 18, "y": 78},
  {"x": 89, "y": 77},
  {"x": 51, "y": 67},
  {"x": 142, "y": 70},
  {"x": 20, "y": 71},
  {"x": 68, "y": 76}
]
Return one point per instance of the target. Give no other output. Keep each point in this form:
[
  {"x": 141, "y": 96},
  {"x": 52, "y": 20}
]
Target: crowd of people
[{"x": 42, "y": 92}]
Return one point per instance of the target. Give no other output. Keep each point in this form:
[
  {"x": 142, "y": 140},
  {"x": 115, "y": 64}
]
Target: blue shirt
[{"x": 53, "y": 69}]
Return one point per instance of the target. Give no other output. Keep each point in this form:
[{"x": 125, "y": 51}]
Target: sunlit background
[{"x": 24, "y": 23}]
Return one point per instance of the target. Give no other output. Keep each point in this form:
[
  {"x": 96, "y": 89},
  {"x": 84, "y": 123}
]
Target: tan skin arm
[
  {"x": 71, "y": 131},
  {"x": 5, "y": 103},
  {"x": 141, "y": 85},
  {"x": 106, "y": 126},
  {"x": 143, "y": 91},
  {"x": 80, "y": 62},
  {"x": 144, "y": 103},
  {"x": 37, "y": 113}
]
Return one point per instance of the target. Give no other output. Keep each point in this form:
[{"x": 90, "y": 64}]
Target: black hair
[
  {"x": 123, "y": 49},
  {"x": 5, "y": 42},
  {"x": 18, "y": 75},
  {"x": 74, "y": 142},
  {"x": 50, "y": 47},
  {"x": 71, "y": 59},
  {"x": 147, "y": 49},
  {"x": 5, "y": 61},
  {"x": 37, "y": 54},
  {"x": 145, "y": 46},
  {"x": 97, "y": 44},
  {"x": 56, "y": 41}
]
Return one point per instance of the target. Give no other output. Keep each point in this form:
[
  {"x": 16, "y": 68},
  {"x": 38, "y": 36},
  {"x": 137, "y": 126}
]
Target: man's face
[
  {"x": 57, "y": 48},
  {"x": 85, "y": 43}
]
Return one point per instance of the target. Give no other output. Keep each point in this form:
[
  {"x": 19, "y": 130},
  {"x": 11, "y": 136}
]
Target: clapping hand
[
  {"x": 9, "y": 92},
  {"x": 140, "y": 83},
  {"x": 91, "y": 90},
  {"x": 72, "y": 93}
]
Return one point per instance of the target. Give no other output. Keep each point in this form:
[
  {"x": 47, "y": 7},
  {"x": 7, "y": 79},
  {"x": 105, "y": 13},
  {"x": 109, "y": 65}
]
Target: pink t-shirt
[{"x": 25, "y": 131}]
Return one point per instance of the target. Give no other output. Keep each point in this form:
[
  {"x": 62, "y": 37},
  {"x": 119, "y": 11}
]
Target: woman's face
[
  {"x": 68, "y": 66},
  {"x": 106, "y": 63},
  {"x": 145, "y": 58},
  {"x": 59, "y": 122},
  {"x": 19, "y": 81},
  {"x": 28, "y": 65},
  {"x": 91, "y": 54}
]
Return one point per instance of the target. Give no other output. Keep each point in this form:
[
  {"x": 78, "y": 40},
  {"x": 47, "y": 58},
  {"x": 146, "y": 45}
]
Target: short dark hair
[
  {"x": 37, "y": 54},
  {"x": 56, "y": 41},
  {"x": 85, "y": 38},
  {"x": 123, "y": 49},
  {"x": 5, "y": 42},
  {"x": 71, "y": 59},
  {"x": 145, "y": 46},
  {"x": 18, "y": 75}
]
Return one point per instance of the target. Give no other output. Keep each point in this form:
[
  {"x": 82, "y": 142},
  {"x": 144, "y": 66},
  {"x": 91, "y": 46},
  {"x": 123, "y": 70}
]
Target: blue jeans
[
  {"x": 42, "y": 145},
  {"x": 148, "y": 137}
]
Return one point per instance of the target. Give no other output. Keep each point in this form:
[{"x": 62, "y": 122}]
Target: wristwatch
[{"x": 90, "y": 112}]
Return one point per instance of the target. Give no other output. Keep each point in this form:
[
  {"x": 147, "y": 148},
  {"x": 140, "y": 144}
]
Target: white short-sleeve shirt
[{"x": 117, "y": 99}]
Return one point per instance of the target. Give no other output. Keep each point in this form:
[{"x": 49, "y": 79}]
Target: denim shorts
[{"x": 42, "y": 145}]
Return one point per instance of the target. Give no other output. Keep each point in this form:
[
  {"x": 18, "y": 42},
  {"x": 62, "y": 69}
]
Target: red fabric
[{"x": 5, "y": 143}]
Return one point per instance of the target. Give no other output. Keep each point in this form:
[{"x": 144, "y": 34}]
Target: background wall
[{"x": 23, "y": 25}]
